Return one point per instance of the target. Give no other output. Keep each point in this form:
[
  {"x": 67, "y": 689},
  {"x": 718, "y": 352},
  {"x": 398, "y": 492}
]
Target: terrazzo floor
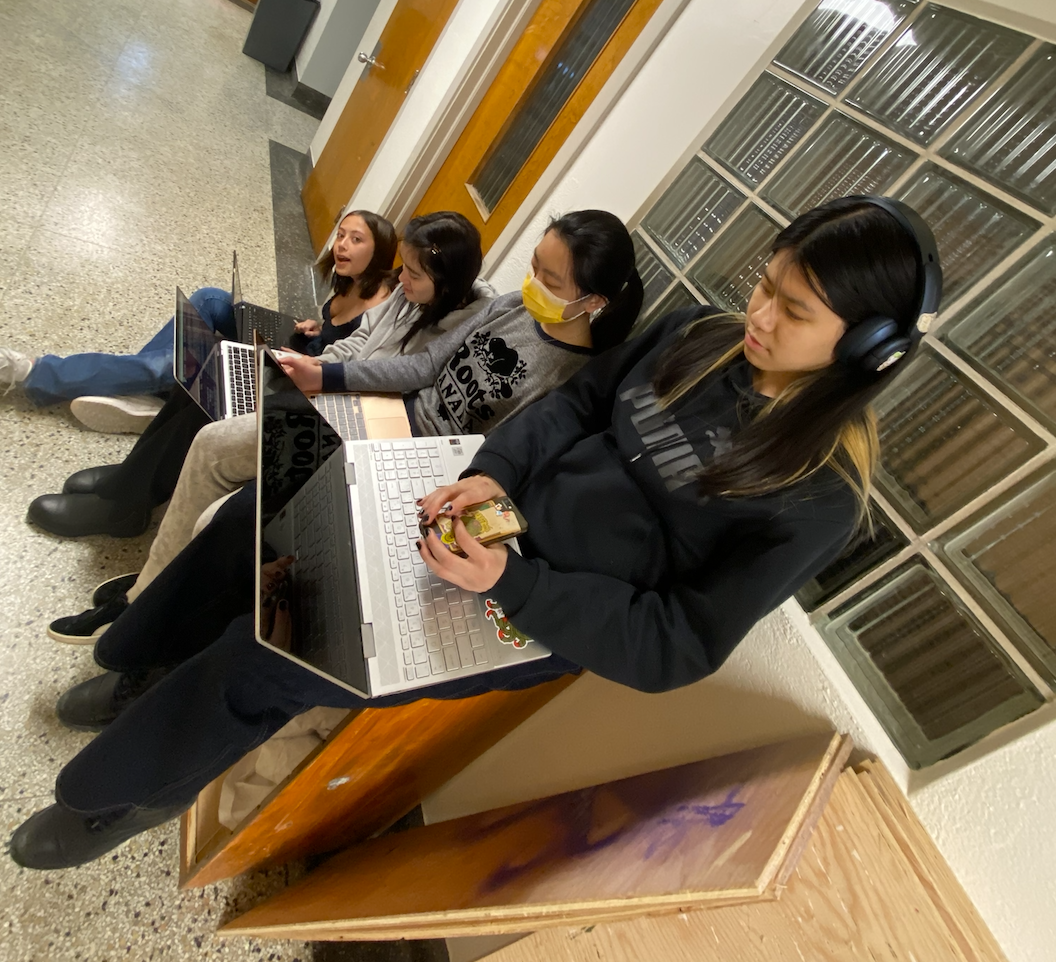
[{"x": 134, "y": 155}]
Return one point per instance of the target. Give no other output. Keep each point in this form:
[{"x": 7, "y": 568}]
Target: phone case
[{"x": 488, "y": 523}]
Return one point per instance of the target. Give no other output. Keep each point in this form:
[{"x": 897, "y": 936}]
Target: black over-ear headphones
[{"x": 878, "y": 342}]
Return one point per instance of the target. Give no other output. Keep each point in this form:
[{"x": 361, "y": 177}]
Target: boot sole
[{"x": 131, "y": 527}]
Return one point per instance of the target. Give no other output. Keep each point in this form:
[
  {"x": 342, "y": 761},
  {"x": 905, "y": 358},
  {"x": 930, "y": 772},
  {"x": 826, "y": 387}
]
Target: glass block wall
[{"x": 942, "y": 619}]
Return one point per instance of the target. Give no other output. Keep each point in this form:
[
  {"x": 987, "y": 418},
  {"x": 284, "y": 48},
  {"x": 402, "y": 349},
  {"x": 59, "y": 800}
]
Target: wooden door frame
[{"x": 468, "y": 90}]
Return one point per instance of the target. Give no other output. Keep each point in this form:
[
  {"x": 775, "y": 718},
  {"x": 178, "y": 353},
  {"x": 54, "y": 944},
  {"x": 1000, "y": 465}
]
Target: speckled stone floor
[{"x": 134, "y": 154}]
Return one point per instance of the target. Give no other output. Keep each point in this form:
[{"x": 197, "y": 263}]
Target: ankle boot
[
  {"x": 59, "y": 837},
  {"x": 93, "y": 704},
  {"x": 74, "y": 515}
]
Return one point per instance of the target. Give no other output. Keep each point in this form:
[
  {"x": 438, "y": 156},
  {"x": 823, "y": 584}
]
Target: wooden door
[
  {"x": 406, "y": 41},
  {"x": 535, "y": 59}
]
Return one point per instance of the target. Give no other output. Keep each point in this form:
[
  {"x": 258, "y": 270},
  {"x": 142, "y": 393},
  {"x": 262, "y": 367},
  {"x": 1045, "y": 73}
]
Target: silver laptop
[
  {"x": 364, "y": 610},
  {"x": 217, "y": 373}
]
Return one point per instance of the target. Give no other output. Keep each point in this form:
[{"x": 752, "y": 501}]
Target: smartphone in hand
[{"x": 488, "y": 523}]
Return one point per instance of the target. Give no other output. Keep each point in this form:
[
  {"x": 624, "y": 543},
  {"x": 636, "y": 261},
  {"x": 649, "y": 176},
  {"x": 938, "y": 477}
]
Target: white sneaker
[
  {"x": 14, "y": 368},
  {"x": 116, "y": 415}
]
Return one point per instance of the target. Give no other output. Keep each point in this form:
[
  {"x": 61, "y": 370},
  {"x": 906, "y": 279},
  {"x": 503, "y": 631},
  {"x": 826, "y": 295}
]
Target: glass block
[
  {"x": 696, "y": 205},
  {"x": 675, "y": 298},
  {"x": 1007, "y": 557},
  {"x": 762, "y": 128},
  {"x": 535, "y": 113},
  {"x": 1011, "y": 140},
  {"x": 840, "y": 36},
  {"x": 934, "y": 69},
  {"x": 733, "y": 264},
  {"x": 1009, "y": 333},
  {"x": 863, "y": 554},
  {"x": 973, "y": 230},
  {"x": 931, "y": 673},
  {"x": 943, "y": 441},
  {"x": 842, "y": 158},
  {"x": 655, "y": 277}
]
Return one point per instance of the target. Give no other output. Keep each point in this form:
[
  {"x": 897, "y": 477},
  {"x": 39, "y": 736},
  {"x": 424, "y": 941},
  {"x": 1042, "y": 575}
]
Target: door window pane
[
  {"x": 1012, "y": 141},
  {"x": 933, "y": 676},
  {"x": 1010, "y": 333},
  {"x": 1007, "y": 557},
  {"x": 531, "y": 118},
  {"x": 843, "y": 158},
  {"x": 943, "y": 442},
  {"x": 973, "y": 230},
  {"x": 695, "y": 206},
  {"x": 765, "y": 125},
  {"x": 838, "y": 37},
  {"x": 655, "y": 277},
  {"x": 733, "y": 264},
  {"x": 934, "y": 69}
]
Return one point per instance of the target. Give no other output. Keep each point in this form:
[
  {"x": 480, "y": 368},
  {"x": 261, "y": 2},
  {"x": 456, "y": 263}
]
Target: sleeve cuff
[
  {"x": 514, "y": 586},
  {"x": 494, "y": 467},
  {"x": 333, "y": 378}
]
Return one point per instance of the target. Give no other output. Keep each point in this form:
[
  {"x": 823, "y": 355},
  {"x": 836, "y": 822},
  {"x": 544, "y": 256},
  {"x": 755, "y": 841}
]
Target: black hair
[
  {"x": 448, "y": 250},
  {"x": 862, "y": 263},
  {"x": 603, "y": 263},
  {"x": 379, "y": 272}
]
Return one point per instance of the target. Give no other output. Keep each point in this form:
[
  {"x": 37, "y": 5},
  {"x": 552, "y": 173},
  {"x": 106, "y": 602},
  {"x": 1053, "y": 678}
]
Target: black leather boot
[
  {"x": 74, "y": 515},
  {"x": 86, "y": 481},
  {"x": 59, "y": 837},
  {"x": 93, "y": 704}
]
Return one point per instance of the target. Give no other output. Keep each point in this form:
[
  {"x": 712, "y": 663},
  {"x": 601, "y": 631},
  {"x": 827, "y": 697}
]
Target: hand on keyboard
[
  {"x": 455, "y": 497},
  {"x": 478, "y": 570},
  {"x": 305, "y": 372}
]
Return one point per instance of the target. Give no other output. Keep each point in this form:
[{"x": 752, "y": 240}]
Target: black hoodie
[{"x": 625, "y": 569}]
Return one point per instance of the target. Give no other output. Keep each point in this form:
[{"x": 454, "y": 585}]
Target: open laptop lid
[
  {"x": 295, "y": 445},
  {"x": 236, "y": 281},
  {"x": 196, "y": 358}
]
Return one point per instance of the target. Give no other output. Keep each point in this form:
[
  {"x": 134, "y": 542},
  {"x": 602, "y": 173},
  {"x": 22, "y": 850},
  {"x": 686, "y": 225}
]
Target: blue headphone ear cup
[{"x": 859, "y": 343}]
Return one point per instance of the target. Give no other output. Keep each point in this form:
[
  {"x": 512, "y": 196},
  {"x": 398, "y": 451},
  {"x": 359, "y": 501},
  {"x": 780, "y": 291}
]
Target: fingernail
[
  {"x": 418, "y": 545},
  {"x": 446, "y": 508},
  {"x": 417, "y": 500},
  {"x": 283, "y": 605}
]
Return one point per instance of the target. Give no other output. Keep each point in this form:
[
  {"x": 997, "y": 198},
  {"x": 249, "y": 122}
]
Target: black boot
[
  {"x": 86, "y": 481},
  {"x": 59, "y": 837},
  {"x": 73, "y": 515},
  {"x": 93, "y": 704}
]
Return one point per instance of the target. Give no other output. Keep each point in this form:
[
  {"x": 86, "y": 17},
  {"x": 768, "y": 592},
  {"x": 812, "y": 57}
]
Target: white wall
[
  {"x": 332, "y": 43},
  {"x": 993, "y": 820}
]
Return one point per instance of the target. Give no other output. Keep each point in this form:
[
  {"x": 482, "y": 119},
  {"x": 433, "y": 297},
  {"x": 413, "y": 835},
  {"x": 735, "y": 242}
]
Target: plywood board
[
  {"x": 852, "y": 898},
  {"x": 711, "y": 832},
  {"x": 906, "y": 831}
]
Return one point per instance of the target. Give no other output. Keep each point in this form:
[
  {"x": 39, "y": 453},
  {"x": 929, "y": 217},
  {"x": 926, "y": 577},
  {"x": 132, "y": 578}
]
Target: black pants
[
  {"x": 150, "y": 472},
  {"x": 228, "y": 693}
]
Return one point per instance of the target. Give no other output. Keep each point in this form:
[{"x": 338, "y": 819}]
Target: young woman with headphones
[{"x": 677, "y": 488}]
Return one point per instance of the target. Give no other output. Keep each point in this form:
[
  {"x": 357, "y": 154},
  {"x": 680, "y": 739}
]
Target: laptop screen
[
  {"x": 195, "y": 358},
  {"x": 236, "y": 280},
  {"x": 303, "y": 513}
]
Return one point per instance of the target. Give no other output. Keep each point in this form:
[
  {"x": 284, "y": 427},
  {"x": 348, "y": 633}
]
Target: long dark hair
[
  {"x": 603, "y": 263},
  {"x": 862, "y": 263},
  {"x": 379, "y": 272},
  {"x": 448, "y": 249}
]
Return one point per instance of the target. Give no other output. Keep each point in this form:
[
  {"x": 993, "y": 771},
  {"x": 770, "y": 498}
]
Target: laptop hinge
[
  {"x": 350, "y": 474},
  {"x": 367, "y": 634}
]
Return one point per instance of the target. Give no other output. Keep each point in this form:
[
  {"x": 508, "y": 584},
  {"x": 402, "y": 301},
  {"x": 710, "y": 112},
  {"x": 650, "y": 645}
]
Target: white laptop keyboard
[{"x": 440, "y": 625}]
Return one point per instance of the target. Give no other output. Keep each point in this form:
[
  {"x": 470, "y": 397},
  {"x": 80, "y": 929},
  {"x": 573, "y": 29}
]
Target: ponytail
[{"x": 616, "y": 319}]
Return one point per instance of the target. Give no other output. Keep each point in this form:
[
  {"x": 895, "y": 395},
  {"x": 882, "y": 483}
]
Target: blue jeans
[{"x": 54, "y": 379}]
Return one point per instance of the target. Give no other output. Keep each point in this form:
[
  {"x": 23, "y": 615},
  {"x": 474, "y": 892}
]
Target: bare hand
[
  {"x": 478, "y": 571},
  {"x": 305, "y": 372},
  {"x": 308, "y": 328},
  {"x": 452, "y": 498}
]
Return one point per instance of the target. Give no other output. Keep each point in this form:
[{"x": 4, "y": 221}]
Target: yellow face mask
[{"x": 545, "y": 307}]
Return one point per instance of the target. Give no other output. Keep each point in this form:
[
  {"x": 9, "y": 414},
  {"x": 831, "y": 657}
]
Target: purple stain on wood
[{"x": 585, "y": 832}]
